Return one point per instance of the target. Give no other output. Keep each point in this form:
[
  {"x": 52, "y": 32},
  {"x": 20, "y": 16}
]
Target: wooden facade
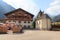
[
  {"x": 55, "y": 26},
  {"x": 19, "y": 14},
  {"x": 16, "y": 20}
]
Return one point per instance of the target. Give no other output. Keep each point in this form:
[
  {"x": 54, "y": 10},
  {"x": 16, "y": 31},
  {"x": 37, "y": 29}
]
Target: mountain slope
[
  {"x": 56, "y": 18},
  {"x": 4, "y": 8}
]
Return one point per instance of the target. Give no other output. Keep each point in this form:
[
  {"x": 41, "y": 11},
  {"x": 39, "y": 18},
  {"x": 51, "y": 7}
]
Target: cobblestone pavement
[{"x": 32, "y": 35}]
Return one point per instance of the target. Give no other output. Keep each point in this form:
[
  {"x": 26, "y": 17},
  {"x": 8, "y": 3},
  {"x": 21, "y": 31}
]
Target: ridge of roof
[{"x": 18, "y": 9}]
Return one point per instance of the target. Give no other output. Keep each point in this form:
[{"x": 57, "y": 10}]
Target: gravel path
[{"x": 32, "y": 35}]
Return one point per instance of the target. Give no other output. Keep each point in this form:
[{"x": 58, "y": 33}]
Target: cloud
[
  {"x": 27, "y": 5},
  {"x": 54, "y": 8},
  {"x": 56, "y": 2}
]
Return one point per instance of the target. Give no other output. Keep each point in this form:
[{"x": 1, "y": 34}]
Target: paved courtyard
[{"x": 32, "y": 35}]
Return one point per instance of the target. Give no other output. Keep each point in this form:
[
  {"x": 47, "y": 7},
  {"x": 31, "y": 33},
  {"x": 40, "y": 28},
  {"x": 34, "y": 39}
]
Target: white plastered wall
[
  {"x": 22, "y": 23},
  {"x": 43, "y": 24}
]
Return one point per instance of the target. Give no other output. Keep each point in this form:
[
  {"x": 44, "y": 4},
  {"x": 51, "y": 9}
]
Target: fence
[{"x": 55, "y": 26}]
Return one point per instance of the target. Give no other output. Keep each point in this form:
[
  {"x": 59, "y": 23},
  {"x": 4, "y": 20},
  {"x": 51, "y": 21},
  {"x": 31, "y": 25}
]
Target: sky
[{"x": 51, "y": 7}]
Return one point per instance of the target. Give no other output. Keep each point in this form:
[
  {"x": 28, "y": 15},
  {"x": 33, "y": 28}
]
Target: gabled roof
[
  {"x": 41, "y": 15},
  {"x": 47, "y": 16},
  {"x": 17, "y": 10}
]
